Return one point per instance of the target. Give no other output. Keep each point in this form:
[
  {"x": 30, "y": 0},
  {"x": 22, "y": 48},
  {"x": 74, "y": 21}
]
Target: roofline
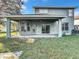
[
  {"x": 31, "y": 16},
  {"x": 55, "y": 7}
]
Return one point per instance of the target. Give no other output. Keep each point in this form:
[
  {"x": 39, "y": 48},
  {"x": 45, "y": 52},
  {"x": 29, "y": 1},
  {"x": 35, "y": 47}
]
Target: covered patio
[{"x": 33, "y": 17}]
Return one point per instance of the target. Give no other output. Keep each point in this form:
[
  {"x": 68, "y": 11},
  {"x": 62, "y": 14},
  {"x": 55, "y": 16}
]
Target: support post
[
  {"x": 59, "y": 28},
  {"x": 8, "y": 24}
]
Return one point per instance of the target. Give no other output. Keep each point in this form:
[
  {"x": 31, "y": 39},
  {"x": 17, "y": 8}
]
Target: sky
[{"x": 27, "y": 7}]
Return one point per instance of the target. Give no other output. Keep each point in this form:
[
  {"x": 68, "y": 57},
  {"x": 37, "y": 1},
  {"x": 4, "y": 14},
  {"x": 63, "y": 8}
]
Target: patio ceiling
[{"x": 32, "y": 17}]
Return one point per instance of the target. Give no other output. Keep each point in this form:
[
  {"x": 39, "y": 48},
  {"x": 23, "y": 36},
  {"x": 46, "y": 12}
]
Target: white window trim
[{"x": 70, "y": 12}]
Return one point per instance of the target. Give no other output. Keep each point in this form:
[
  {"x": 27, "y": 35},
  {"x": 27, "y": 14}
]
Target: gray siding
[{"x": 57, "y": 12}]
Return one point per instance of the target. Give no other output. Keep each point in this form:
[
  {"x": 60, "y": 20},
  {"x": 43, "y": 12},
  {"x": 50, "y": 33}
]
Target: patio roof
[
  {"x": 55, "y": 7},
  {"x": 31, "y": 17}
]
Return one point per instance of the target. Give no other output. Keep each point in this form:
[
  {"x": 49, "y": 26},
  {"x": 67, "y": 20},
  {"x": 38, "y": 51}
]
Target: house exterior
[
  {"x": 76, "y": 23},
  {"x": 46, "y": 22}
]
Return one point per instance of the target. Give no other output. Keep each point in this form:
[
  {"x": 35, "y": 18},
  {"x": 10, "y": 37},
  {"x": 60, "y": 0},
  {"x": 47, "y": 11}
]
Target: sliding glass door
[{"x": 45, "y": 28}]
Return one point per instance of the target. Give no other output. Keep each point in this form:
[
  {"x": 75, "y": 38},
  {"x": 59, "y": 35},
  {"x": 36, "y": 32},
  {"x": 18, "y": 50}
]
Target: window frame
[
  {"x": 65, "y": 26},
  {"x": 23, "y": 26},
  {"x": 44, "y": 29},
  {"x": 70, "y": 12},
  {"x": 28, "y": 26}
]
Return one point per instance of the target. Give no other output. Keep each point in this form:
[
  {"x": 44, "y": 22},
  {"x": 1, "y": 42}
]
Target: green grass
[{"x": 46, "y": 48}]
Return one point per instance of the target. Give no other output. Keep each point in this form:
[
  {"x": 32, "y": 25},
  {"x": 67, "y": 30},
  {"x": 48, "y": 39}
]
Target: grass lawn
[{"x": 46, "y": 48}]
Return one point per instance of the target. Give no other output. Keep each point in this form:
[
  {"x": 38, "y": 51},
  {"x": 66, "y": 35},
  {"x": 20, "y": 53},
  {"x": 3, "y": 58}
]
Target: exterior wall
[
  {"x": 69, "y": 20},
  {"x": 57, "y": 12},
  {"x": 67, "y": 13},
  {"x": 53, "y": 28}
]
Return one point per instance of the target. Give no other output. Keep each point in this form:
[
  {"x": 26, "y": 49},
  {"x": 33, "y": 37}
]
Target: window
[
  {"x": 43, "y": 11},
  {"x": 70, "y": 12},
  {"x": 23, "y": 26},
  {"x": 65, "y": 26},
  {"x": 45, "y": 28},
  {"x": 28, "y": 27}
]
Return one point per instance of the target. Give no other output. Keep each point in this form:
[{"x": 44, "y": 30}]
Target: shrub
[{"x": 2, "y": 49}]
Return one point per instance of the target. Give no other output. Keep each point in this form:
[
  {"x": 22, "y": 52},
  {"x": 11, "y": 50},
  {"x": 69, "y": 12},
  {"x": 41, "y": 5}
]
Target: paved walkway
[{"x": 35, "y": 36}]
